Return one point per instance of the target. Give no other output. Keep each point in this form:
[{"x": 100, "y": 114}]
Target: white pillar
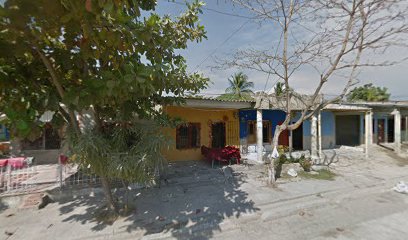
[
  {"x": 259, "y": 137},
  {"x": 313, "y": 149},
  {"x": 319, "y": 135},
  {"x": 366, "y": 133},
  {"x": 397, "y": 131},
  {"x": 290, "y": 141},
  {"x": 406, "y": 129},
  {"x": 370, "y": 124}
]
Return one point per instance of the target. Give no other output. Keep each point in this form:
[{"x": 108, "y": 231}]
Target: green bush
[
  {"x": 306, "y": 164},
  {"x": 278, "y": 165}
]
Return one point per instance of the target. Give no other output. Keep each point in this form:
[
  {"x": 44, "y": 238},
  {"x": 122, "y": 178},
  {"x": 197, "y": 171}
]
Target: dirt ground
[{"x": 197, "y": 202}]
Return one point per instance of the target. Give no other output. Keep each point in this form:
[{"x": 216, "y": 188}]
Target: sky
[{"x": 228, "y": 33}]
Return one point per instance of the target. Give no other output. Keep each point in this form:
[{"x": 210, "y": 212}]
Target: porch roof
[
  {"x": 346, "y": 107},
  {"x": 386, "y": 107},
  {"x": 208, "y": 102}
]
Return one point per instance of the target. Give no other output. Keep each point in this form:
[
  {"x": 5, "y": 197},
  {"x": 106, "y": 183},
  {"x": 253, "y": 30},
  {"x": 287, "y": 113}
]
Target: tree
[
  {"x": 239, "y": 88},
  {"x": 368, "y": 92},
  {"x": 326, "y": 36},
  {"x": 103, "y": 59}
]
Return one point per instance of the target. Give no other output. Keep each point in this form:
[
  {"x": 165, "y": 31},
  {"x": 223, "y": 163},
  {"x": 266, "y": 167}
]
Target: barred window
[
  {"x": 188, "y": 136},
  {"x": 266, "y": 131}
]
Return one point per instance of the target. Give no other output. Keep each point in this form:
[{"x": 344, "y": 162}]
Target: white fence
[{"x": 19, "y": 175}]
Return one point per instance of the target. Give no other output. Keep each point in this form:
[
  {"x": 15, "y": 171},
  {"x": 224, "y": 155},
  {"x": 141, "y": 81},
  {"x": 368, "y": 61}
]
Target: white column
[
  {"x": 366, "y": 133},
  {"x": 259, "y": 137},
  {"x": 290, "y": 141},
  {"x": 313, "y": 149},
  {"x": 370, "y": 124},
  {"x": 406, "y": 129},
  {"x": 319, "y": 135},
  {"x": 397, "y": 131}
]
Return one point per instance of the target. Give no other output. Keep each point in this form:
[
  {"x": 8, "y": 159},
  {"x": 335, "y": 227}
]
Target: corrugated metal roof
[
  {"x": 335, "y": 106},
  {"x": 218, "y": 100}
]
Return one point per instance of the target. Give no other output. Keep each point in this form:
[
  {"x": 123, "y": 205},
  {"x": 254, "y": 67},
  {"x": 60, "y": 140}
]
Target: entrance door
[
  {"x": 283, "y": 137},
  {"x": 218, "y": 135},
  {"x": 381, "y": 131},
  {"x": 348, "y": 130},
  {"x": 297, "y": 138},
  {"x": 390, "y": 133}
]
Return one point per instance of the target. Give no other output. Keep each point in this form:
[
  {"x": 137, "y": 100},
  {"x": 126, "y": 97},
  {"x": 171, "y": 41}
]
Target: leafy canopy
[
  {"x": 368, "y": 92},
  {"x": 113, "y": 60},
  {"x": 118, "y": 57},
  {"x": 239, "y": 88}
]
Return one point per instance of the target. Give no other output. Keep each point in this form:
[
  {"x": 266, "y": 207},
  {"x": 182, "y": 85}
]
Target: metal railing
[
  {"x": 21, "y": 178},
  {"x": 28, "y": 178}
]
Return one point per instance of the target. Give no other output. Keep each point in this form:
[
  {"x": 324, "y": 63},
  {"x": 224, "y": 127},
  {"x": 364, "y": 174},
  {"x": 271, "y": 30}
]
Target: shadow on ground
[
  {"x": 3, "y": 206},
  {"x": 193, "y": 202}
]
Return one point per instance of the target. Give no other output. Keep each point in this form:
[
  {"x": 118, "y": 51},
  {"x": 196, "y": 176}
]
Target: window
[
  {"x": 266, "y": 132},
  {"x": 49, "y": 139},
  {"x": 188, "y": 136}
]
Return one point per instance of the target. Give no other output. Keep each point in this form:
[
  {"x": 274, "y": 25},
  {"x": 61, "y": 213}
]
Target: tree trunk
[
  {"x": 108, "y": 193},
  {"x": 271, "y": 165}
]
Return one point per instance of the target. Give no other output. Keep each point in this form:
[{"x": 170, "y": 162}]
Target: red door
[{"x": 283, "y": 137}]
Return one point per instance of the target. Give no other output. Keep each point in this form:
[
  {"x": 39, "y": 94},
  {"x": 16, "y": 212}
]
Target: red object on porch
[
  {"x": 3, "y": 162},
  {"x": 17, "y": 162},
  {"x": 224, "y": 154},
  {"x": 63, "y": 159}
]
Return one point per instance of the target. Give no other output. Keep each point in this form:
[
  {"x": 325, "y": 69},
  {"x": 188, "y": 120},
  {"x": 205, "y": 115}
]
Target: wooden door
[
  {"x": 381, "y": 131},
  {"x": 283, "y": 137}
]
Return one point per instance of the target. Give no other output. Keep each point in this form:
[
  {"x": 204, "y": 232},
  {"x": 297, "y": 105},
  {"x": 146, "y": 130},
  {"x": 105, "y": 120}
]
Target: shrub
[
  {"x": 278, "y": 165},
  {"x": 306, "y": 164}
]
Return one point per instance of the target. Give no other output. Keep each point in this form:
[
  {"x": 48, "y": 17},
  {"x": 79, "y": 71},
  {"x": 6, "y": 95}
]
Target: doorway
[
  {"x": 348, "y": 130},
  {"x": 283, "y": 137},
  {"x": 381, "y": 131},
  {"x": 297, "y": 138},
  {"x": 390, "y": 133},
  {"x": 218, "y": 135}
]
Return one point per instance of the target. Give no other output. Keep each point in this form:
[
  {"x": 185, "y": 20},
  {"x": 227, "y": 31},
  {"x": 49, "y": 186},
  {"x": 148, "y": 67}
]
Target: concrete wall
[
  {"x": 328, "y": 131},
  {"x": 205, "y": 117},
  {"x": 43, "y": 156}
]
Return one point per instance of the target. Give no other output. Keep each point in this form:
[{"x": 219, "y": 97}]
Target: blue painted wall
[
  {"x": 4, "y": 134},
  {"x": 328, "y": 124},
  {"x": 275, "y": 116}
]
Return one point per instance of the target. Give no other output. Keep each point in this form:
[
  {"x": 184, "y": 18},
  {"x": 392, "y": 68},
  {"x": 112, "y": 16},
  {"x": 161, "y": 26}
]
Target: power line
[
  {"x": 276, "y": 52},
  {"x": 225, "y": 41}
]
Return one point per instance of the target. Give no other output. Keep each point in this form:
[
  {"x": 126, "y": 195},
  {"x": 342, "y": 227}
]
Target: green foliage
[
  {"x": 321, "y": 175},
  {"x": 239, "y": 88},
  {"x": 105, "y": 54},
  {"x": 279, "y": 89},
  {"x": 130, "y": 152},
  {"x": 278, "y": 163},
  {"x": 306, "y": 164},
  {"x": 114, "y": 59},
  {"x": 368, "y": 92}
]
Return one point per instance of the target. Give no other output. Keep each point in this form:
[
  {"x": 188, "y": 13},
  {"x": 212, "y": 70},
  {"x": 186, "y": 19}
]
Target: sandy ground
[{"x": 198, "y": 203}]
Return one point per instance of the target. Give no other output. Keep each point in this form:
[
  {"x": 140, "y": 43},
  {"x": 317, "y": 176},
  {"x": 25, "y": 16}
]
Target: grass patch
[{"x": 323, "y": 174}]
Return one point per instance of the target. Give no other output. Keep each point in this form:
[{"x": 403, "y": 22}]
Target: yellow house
[{"x": 207, "y": 122}]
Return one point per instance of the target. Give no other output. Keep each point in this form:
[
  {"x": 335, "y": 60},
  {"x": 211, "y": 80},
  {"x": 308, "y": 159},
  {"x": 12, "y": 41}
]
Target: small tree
[
  {"x": 328, "y": 36},
  {"x": 97, "y": 58},
  {"x": 368, "y": 92},
  {"x": 239, "y": 88}
]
